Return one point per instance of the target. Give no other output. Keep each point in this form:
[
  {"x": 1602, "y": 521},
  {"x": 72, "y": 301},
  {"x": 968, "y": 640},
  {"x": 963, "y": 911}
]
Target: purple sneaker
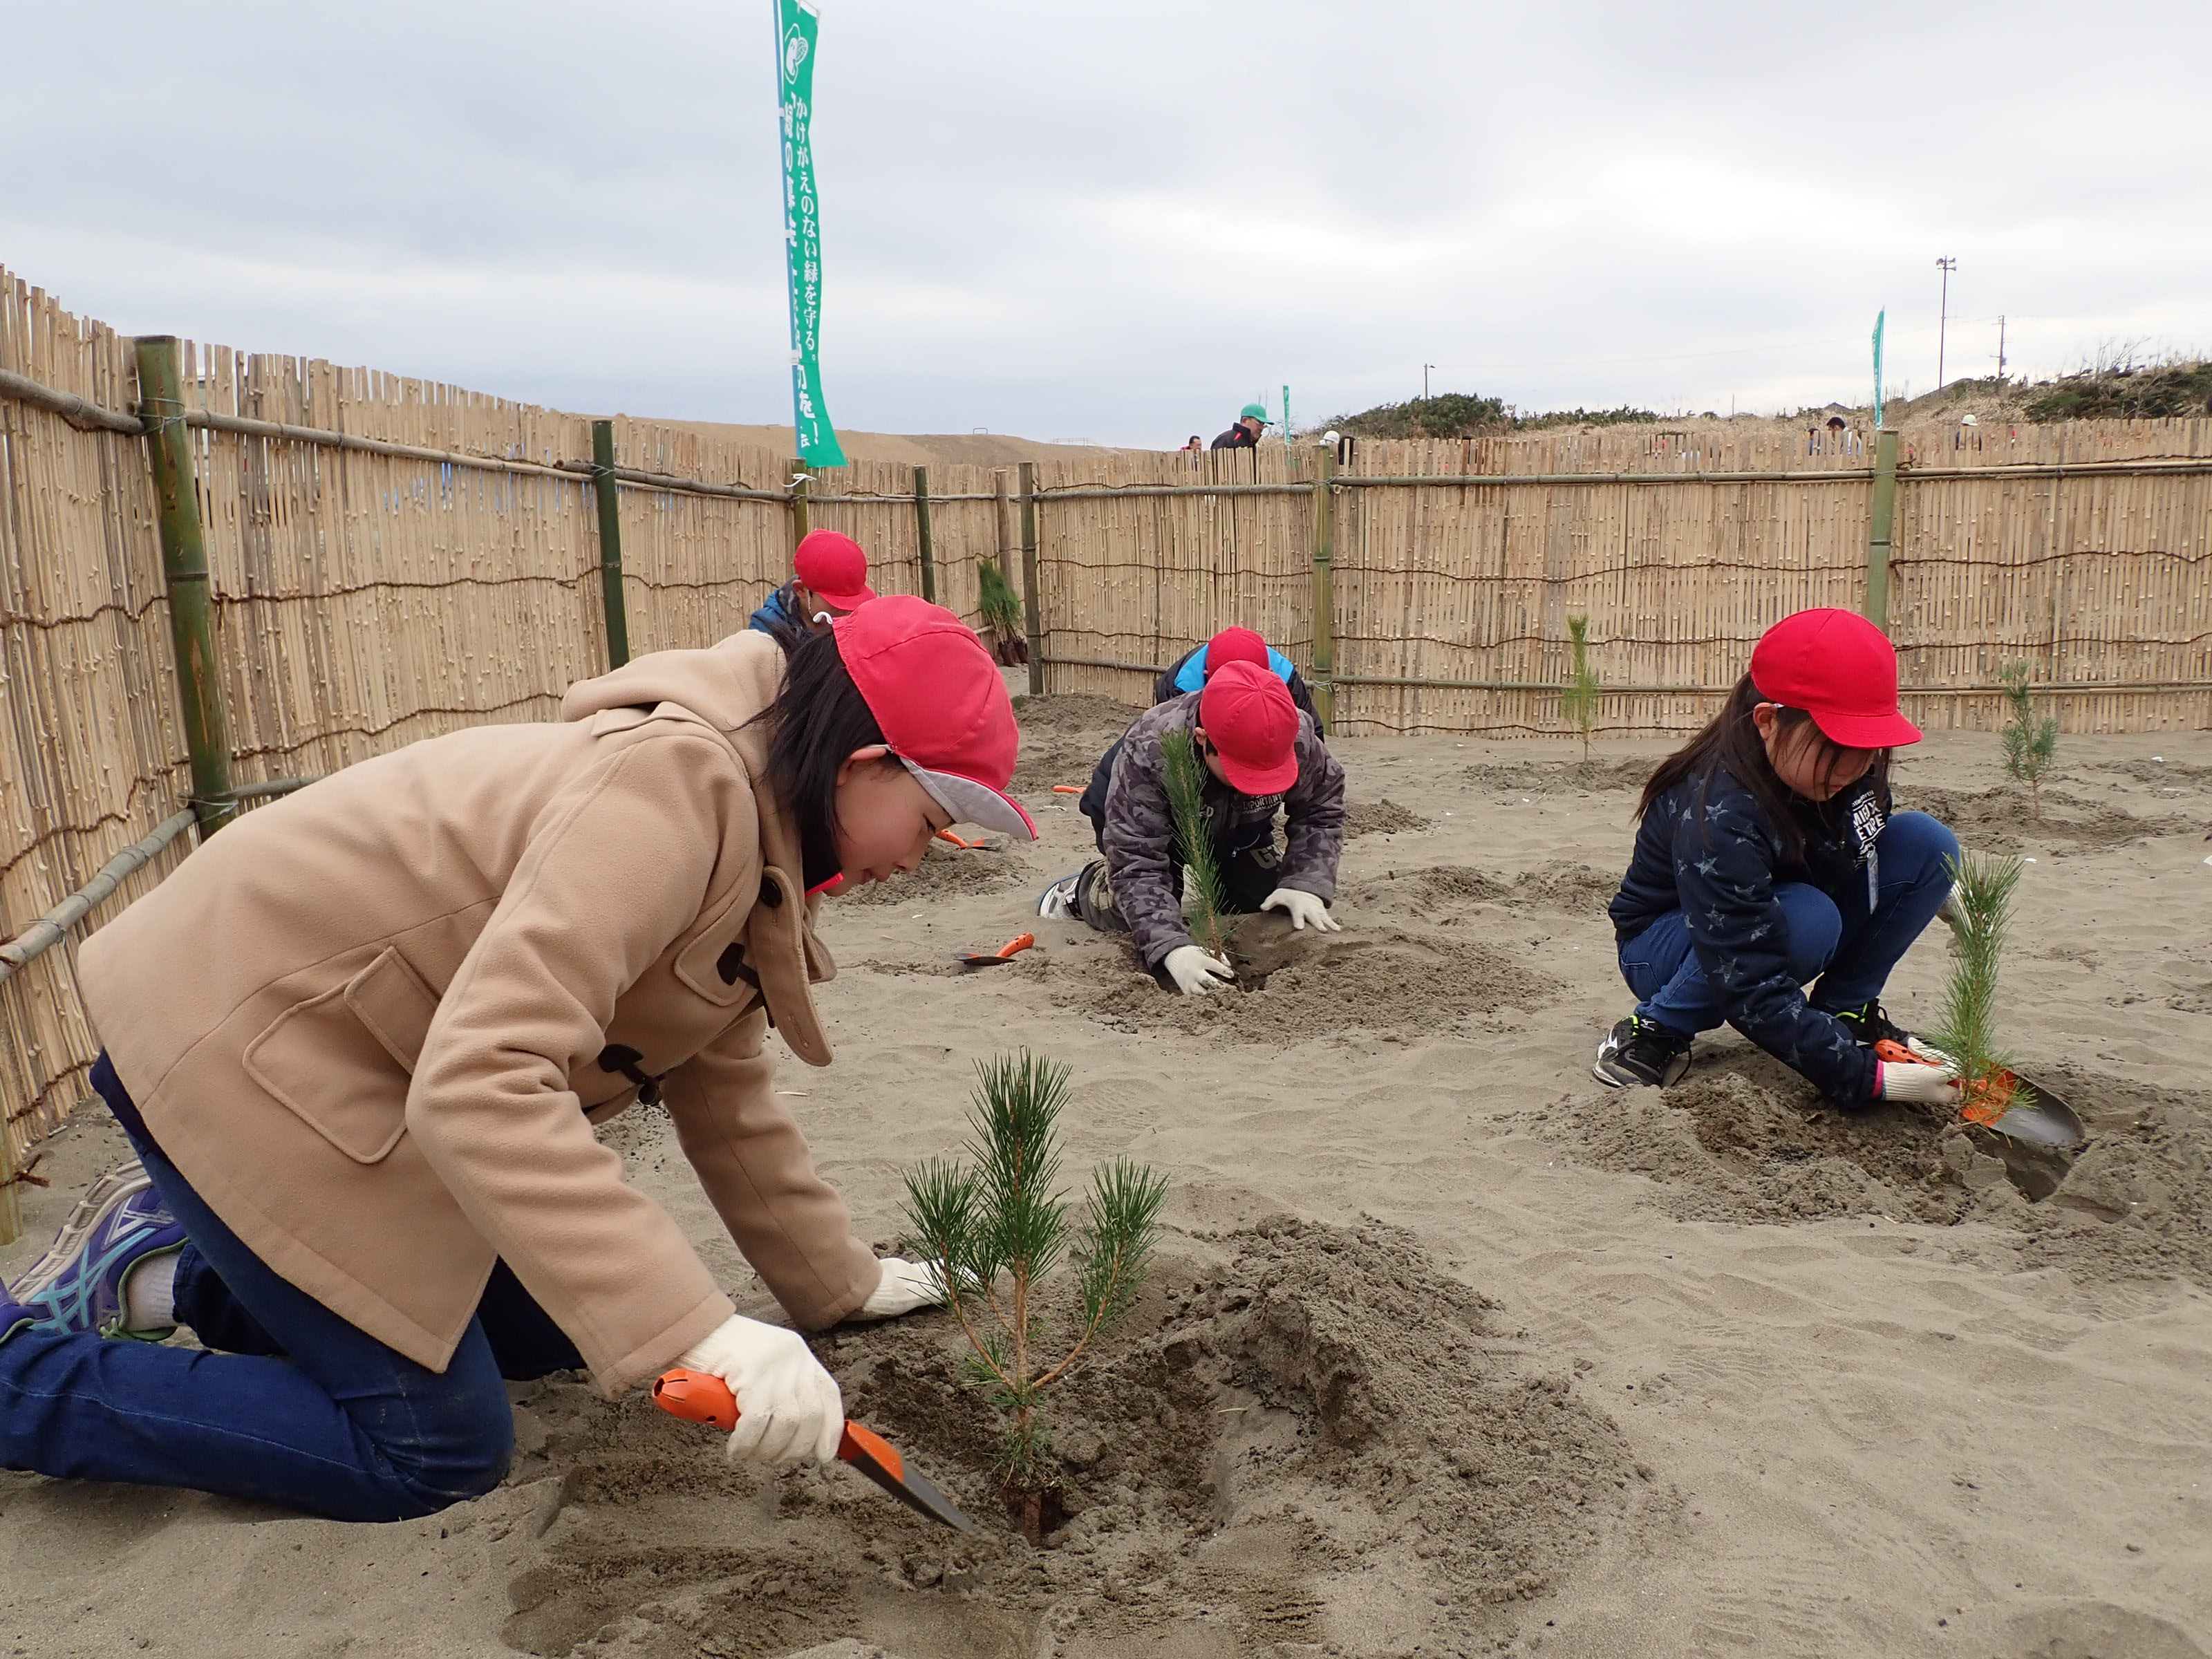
[{"x": 77, "y": 1285}]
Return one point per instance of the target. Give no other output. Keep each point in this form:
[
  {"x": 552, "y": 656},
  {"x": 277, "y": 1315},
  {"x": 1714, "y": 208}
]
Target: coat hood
[{"x": 724, "y": 684}]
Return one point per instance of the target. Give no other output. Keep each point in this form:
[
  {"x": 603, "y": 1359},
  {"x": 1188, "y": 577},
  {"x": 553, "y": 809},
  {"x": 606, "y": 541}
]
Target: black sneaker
[
  {"x": 1869, "y": 1025},
  {"x": 1642, "y": 1051}
]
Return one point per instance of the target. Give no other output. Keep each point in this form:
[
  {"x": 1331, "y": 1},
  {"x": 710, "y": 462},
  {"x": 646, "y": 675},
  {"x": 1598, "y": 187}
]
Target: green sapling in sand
[
  {"x": 1980, "y": 908},
  {"x": 997, "y": 1225},
  {"x": 1002, "y": 613},
  {"x": 1184, "y": 780},
  {"x": 1578, "y": 702},
  {"x": 2029, "y": 741}
]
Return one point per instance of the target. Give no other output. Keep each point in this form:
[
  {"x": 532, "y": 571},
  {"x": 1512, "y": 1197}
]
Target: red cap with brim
[
  {"x": 1253, "y": 725},
  {"x": 1841, "y": 670},
  {"x": 942, "y": 705},
  {"x": 835, "y": 566}
]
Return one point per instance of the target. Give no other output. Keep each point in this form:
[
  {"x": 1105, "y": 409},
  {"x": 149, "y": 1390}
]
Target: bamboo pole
[
  {"x": 185, "y": 574},
  {"x": 921, "y": 533},
  {"x": 1032, "y": 612},
  {"x": 1324, "y": 588},
  {"x": 608, "y": 498},
  {"x": 1881, "y": 526},
  {"x": 53, "y": 927},
  {"x": 798, "y": 497}
]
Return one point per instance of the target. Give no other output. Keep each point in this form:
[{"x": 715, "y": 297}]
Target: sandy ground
[{"x": 1450, "y": 1351}]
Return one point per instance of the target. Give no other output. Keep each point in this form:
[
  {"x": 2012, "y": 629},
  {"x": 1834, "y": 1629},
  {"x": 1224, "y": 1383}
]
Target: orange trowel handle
[
  {"x": 1015, "y": 947},
  {"x": 1898, "y": 1054},
  {"x": 703, "y": 1397}
]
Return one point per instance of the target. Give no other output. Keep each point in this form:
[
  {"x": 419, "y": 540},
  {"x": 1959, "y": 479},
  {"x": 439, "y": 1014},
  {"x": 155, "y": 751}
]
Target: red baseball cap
[
  {"x": 834, "y": 567},
  {"x": 1235, "y": 645},
  {"x": 1840, "y": 669},
  {"x": 941, "y": 703},
  {"x": 1254, "y": 724}
]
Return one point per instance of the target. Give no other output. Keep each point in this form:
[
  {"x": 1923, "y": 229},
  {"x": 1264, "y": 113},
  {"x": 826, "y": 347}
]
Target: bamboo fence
[{"x": 391, "y": 558}]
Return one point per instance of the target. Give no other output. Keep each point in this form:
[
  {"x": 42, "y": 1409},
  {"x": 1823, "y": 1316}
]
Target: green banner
[
  {"x": 796, "y": 28},
  {"x": 1879, "y": 318}
]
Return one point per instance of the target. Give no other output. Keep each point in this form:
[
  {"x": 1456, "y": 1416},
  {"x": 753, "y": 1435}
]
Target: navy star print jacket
[{"x": 1722, "y": 874}]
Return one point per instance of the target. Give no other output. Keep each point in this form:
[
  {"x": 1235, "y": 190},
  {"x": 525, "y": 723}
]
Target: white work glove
[
  {"x": 1929, "y": 1052},
  {"x": 1923, "y": 1085},
  {"x": 1304, "y": 909},
  {"x": 904, "y": 1286},
  {"x": 788, "y": 1407},
  {"x": 1194, "y": 971}
]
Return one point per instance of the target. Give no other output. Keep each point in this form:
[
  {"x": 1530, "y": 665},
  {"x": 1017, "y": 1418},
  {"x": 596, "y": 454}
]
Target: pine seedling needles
[
  {"x": 1184, "y": 780},
  {"x": 1965, "y": 1024},
  {"x": 998, "y": 1225},
  {"x": 1001, "y": 609},
  {"x": 1578, "y": 701},
  {"x": 2029, "y": 743}
]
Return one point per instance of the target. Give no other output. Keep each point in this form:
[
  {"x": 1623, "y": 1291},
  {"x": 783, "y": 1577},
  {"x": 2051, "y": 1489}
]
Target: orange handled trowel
[{"x": 703, "y": 1397}]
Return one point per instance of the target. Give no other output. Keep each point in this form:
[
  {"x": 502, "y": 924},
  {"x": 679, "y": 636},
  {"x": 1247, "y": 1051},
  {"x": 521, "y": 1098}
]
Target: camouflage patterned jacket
[{"x": 1139, "y": 829}]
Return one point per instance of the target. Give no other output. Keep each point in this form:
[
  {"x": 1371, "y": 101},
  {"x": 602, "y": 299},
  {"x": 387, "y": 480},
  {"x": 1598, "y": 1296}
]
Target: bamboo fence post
[
  {"x": 799, "y": 515},
  {"x": 1324, "y": 587},
  {"x": 1880, "y": 527},
  {"x": 921, "y": 532},
  {"x": 608, "y": 498},
  {"x": 1033, "y": 614},
  {"x": 184, "y": 576}
]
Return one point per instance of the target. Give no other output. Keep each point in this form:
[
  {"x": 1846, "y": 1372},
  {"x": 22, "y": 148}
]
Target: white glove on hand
[
  {"x": 904, "y": 1286},
  {"x": 1194, "y": 971},
  {"x": 1304, "y": 909},
  {"x": 1928, "y": 1051},
  {"x": 1923, "y": 1085},
  {"x": 788, "y": 1407}
]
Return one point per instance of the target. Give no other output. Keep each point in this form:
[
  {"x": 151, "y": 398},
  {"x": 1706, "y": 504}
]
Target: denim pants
[
  {"x": 1834, "y": 938},
  {"x": 298, "y": 1408}
]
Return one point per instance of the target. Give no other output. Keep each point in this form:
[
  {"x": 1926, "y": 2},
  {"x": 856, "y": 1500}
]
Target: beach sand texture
[{"x": 1450, "y": 1352}]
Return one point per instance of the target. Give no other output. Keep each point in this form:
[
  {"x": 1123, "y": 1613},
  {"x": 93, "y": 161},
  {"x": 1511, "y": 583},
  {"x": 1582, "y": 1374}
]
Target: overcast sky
[{"x": 1118, "y": 222}]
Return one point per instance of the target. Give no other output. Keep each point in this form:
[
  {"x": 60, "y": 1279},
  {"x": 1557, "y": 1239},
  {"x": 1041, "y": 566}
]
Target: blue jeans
[
  {"x": 1834, "y": 937},
  {"x": 300, "y": 1409}
]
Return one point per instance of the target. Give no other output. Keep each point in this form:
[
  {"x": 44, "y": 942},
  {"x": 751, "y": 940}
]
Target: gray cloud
[{"x": 1119, "y": 222}]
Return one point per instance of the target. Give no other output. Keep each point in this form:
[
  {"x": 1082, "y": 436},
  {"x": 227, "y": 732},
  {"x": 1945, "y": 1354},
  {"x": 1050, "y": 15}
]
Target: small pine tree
[
  {"x": 2029, "y": 743},
  {"x": 997, "y": 1225},
  {"x": 1966, "y": 1023},
  {"x": 1578, "y": 702},
  {"x": 1185, "y": 782},
  {"x": 1002, "y": 612}
]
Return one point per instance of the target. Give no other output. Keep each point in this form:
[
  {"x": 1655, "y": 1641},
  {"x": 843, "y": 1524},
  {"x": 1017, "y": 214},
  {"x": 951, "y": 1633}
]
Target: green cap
[{"x": 1256, "y": 412}]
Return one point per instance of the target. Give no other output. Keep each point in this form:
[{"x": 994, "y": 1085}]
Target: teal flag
[
  {"x": 1879, "y": 317},
  {"x": 797, "y": 25}
]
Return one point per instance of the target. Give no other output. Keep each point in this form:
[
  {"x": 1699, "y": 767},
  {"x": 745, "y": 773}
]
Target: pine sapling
[
  {"x": 997, "y": 1225},
  {"x": 1002, "y": 612},
  {"x": 2029, "y": 743},
  {"x": 1185, "y": 780},
  {"x": 1965, "y": 1025},
  {"x": 1578, "y": 702}
]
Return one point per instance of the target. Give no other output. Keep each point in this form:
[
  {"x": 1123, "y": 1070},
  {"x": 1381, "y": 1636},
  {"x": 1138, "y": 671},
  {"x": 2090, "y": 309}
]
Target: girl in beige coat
[{"x": 360, "y": 1041}]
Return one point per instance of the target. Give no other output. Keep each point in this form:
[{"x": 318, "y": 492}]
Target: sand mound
[
  {"x": 1997, "y": 821},
  {"x": 1749, "y": 1140},
  {"x": 1062, "y": 738},
  {"x": 946, "y": 872},
  {"x": 1272, "y": 1451},
  {"x": 1299, "y": 985},
  {"x": 1533, "y": 777},
  {"x": 1075, "y": 711},
  {"x": 1440, "y": 888},
  {"x": 1380, "y": 817}
]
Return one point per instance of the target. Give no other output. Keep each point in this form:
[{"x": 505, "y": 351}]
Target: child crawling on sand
[{"x": 1767, "y": 859}]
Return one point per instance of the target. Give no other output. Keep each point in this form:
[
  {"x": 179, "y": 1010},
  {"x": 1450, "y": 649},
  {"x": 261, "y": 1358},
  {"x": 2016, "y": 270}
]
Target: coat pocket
[{"x": 340, "y": 1061}]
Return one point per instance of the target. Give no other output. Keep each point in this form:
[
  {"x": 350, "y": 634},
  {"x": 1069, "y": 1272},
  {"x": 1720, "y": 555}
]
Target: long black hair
[
  {"x": 818, "y": 719},
  {"x": 1730, "y": 743}
]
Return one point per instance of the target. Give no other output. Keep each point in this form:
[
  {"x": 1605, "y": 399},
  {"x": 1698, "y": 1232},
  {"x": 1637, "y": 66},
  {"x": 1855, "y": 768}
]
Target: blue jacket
[
  {"x": 1722, "y": 874},
  {"x": 780, "y": 619}
]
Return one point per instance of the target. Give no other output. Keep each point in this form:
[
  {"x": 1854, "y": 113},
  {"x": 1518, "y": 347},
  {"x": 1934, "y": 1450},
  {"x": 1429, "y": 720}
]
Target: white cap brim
[{"x": 971, "y": 802}]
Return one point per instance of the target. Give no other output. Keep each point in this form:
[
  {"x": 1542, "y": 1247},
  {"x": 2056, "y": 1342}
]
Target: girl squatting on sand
[
  {"x": 1767, "y": 859},
  {"x": 360, "y": 1041}
]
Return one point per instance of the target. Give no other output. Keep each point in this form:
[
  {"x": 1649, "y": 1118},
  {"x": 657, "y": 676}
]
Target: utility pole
[
  {"x": 1946, "y": 265},
  {"x": 1425, "y": 367},
  {"x": 2000, "y": 366}
]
